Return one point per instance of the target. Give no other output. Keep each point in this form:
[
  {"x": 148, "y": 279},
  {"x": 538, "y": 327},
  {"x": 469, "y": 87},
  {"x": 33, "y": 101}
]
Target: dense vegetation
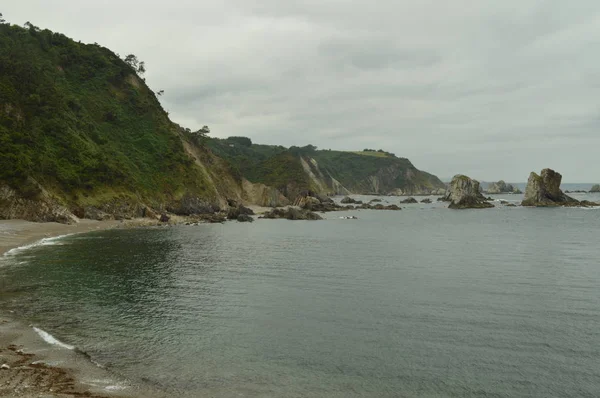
[
  {"x": 77, "y": 119},
  {"x": 278, "y": 166},
  {"x": 271, "y": 165}
]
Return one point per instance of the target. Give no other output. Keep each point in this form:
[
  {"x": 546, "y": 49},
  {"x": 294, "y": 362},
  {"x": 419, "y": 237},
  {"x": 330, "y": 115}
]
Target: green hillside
[
  {"x": 356, "y": 171},
  {"x": 78, "y": 120}
]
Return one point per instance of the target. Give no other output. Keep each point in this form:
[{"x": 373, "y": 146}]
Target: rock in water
[
  {"x": 464, "y": 193},
  {"x": 409, "y": 200},
  {"x": 595, "y": 188},
  {"x": 245, "y": 218},
  {"x": 544, "y": 190}
]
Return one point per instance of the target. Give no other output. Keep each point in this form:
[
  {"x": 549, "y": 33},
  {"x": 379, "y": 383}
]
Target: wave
[
  {"x": 48, "y": 338},
  {"x": 43, "y": 242}
]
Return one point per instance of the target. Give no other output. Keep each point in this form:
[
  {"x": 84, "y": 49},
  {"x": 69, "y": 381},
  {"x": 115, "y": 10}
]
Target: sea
[{"x": 422, "y": 302}]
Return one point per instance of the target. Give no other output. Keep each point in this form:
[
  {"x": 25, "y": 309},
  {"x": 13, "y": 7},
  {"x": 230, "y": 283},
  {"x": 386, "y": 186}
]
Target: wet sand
[{"x": 30, "y": 366}]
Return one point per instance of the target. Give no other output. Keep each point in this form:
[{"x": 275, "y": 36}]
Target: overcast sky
[{"x": 491, "y": 89}]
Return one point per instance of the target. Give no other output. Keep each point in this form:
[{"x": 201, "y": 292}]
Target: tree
[
  {"x": 2, "y": 20},
  {"x": 141, "y": 68},
  {"x": 132, "y": 61},
  {"x": 161, "y": 92}
]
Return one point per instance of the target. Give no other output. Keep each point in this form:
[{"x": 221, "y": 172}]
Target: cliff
[
  {"x": 83, "y": 136},
  {"x": 297, "y": 169}
]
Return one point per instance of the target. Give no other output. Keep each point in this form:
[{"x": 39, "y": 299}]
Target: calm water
[{"x": 425, "y": 302}]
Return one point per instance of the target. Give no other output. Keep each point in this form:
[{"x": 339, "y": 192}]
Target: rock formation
[
  {"x": 501, "y": 187},
  {"x": 544, "y": 190},
  {"x": 426, "y": 200},
  {"x": 291, "y": 213},
  {"x": 595, "y": 188},
  {"x": 409, "y": 200},
  {"x": 464, "y": 193}
]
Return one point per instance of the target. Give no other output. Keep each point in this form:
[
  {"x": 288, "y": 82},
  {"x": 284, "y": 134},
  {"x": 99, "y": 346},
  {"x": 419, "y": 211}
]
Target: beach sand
[{"x": 30, "y": 366}]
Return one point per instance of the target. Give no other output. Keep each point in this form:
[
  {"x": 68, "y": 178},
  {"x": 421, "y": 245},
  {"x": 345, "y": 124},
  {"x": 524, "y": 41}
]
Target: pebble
[{"x": 4, "y": 366}]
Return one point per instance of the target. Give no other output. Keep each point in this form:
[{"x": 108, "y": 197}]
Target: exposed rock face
[
  {"x": 544, "y": 190},
  {"x": 595, "y": 188},
  {"x": 312, "y": 201},
  {"x": 464, "y": 193},
  {"x": 41, "y": 207}
]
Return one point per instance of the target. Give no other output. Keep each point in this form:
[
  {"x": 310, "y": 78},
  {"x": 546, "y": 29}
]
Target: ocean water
[{"x": 423, "y": 302}]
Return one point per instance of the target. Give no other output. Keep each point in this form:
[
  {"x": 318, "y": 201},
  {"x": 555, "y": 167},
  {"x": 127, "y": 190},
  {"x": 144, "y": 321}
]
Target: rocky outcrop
[
  {"x": 291, "y": 213},
  {"x": 544, "y": 190},
  {"x": 40, "y": 206},
  {"x": 464, "y": 193},
  {"x": 245, "y": 218},
  {"x": 409, "y": 200},
  {"x": 595, "y": 188},
  {"x": 501, "y": 187},
  {"x": 234, "y": 213},
  {"x": 348, "y": 200}
]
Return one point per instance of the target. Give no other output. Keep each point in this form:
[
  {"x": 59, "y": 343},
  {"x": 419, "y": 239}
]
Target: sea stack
[
  {"x": 544, "y": 190},
  {"x": 464, "y": 193}
]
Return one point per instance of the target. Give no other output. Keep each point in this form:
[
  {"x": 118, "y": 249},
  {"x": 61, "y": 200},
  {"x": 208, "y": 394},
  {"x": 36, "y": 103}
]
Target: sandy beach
[{"x": 31, "y": 366}]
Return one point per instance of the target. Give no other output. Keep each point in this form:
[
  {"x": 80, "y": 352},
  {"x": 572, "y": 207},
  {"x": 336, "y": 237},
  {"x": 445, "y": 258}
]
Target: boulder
[
  {"x": 409, "y": 200},
  {"x": 544, "y": 190},
  {"x": 245, "y": 218},
  {"x": 235, "y": 212},
  {"x": 348, "y": 200},
  {"x": 375, "y": 200},
  {"x": 426, "y": 200},
  {"x": 164, "y": 218},
  {"x": 595, "y": 188},
  {"x": 464, "y": 193}
]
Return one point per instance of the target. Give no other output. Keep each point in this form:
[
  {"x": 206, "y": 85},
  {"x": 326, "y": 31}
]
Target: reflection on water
[{"x": 422, "y": 302}]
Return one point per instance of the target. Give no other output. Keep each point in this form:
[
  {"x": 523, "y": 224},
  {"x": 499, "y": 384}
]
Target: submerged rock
[
  {"x": 464, "y": 193},
  {"x": 544, "y": 190}
]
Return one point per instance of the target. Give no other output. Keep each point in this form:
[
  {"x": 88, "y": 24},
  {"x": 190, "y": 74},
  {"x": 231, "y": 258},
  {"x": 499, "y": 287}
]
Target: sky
[{"x": 491, "y": 89}]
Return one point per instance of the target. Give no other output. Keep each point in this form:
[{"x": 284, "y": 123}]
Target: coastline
[{"x": 37, "y": 365}]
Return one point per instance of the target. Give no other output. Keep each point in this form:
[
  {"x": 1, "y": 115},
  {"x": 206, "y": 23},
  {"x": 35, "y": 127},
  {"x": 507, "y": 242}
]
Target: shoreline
[{"x": 37, "y": 364}]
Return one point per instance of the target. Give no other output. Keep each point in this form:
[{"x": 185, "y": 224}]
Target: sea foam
[
  {"x": 55, "y": 240},
  {"x": 48, "y": 338}
]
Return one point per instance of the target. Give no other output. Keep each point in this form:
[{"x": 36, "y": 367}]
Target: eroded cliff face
[
  {"x": 391, "y": 177},
  {"x": 40, "y": 208},
  {"x": 544, "y": 190}
]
